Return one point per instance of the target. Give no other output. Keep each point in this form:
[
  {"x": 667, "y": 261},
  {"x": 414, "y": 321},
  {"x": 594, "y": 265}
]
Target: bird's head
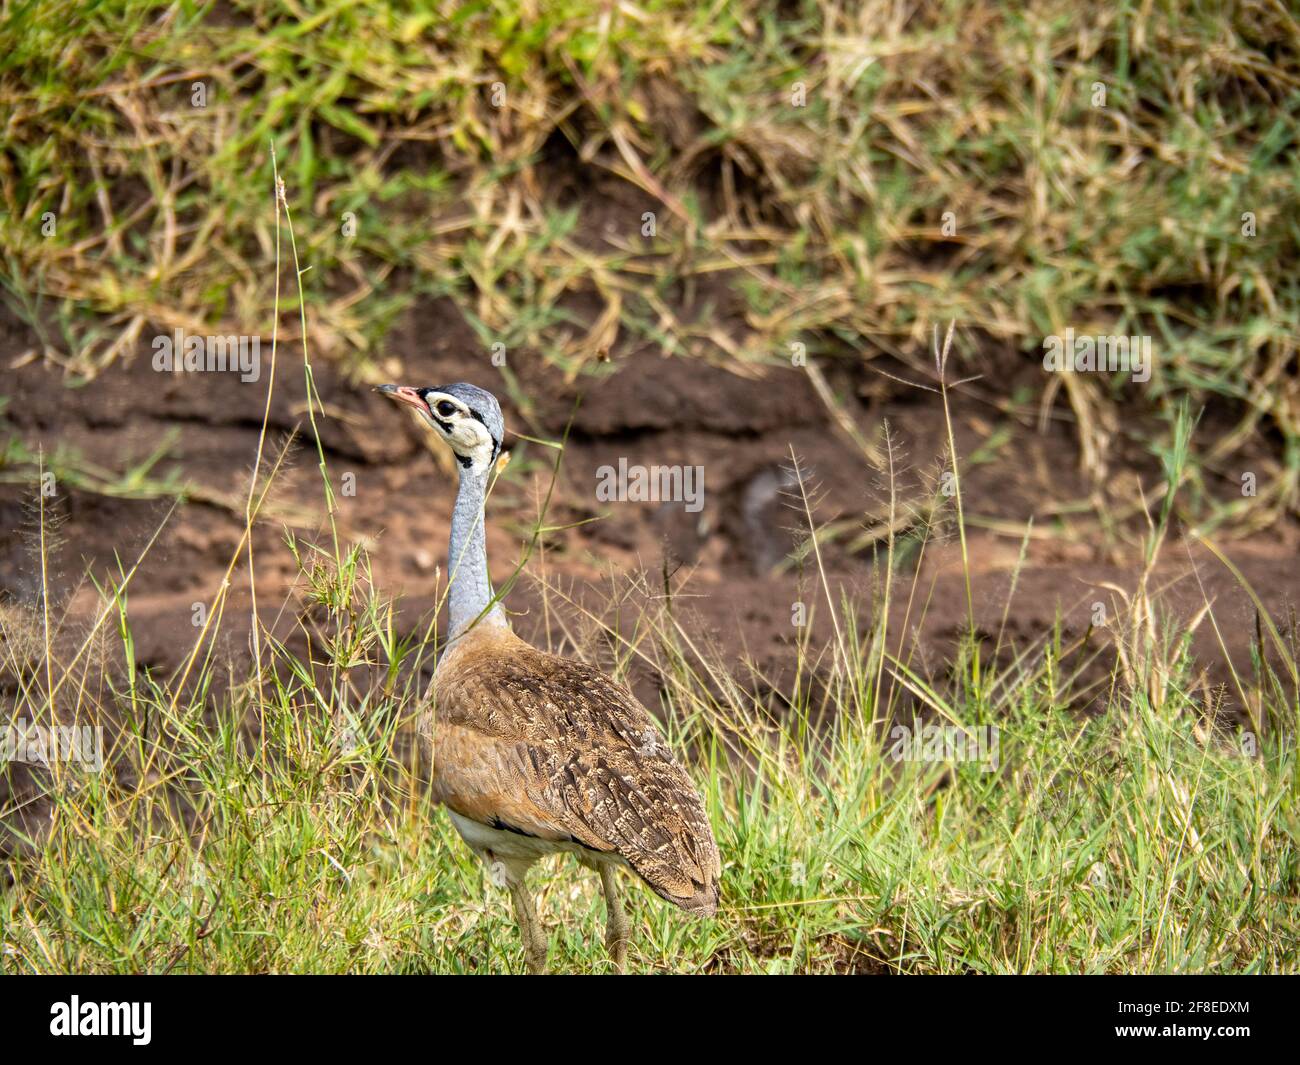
[{"x": 466, "y": 417}]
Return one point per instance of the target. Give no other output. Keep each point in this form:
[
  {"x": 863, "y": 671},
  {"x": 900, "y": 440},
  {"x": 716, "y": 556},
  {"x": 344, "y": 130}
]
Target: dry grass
[{"x": 776, "y": 224}]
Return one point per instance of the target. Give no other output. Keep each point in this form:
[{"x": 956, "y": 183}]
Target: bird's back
[{"x": 544, "y": 746}]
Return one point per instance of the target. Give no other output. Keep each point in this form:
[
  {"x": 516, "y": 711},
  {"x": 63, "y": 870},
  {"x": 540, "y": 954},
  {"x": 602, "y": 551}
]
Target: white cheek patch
[
  {"x": 471, "y": 440},
  {"x": 466, "y": 434}
]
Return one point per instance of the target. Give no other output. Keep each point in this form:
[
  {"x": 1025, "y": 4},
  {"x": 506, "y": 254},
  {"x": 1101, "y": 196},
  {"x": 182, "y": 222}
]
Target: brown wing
[{"x": 550, "y": 747}]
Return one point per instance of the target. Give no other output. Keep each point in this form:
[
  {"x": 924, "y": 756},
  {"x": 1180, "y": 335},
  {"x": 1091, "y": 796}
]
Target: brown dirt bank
[{"x": 730, "y": 580}]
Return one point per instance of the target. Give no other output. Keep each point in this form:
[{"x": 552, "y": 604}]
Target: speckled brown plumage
[
  {"x": 551, "y": 748},
  {"x": 535, "y": 754}
]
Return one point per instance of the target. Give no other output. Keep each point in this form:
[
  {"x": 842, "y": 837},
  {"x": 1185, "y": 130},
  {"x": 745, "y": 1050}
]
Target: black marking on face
[
  {"x": 496, "y": 444},
  {"x": 443, "y": 424}
]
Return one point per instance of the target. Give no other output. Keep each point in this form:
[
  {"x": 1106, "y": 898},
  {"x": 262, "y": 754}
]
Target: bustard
[{"x": 535, "y": 754}]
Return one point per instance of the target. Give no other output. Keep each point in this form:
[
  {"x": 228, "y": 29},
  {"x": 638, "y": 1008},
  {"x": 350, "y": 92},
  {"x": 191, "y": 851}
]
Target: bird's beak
[{"x": 404, "y": 394}]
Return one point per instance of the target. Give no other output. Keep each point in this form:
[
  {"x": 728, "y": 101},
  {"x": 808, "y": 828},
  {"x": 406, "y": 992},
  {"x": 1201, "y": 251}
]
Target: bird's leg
[
  {"x": 530, "y": 928},
  {"x": 617, "y": 928}
]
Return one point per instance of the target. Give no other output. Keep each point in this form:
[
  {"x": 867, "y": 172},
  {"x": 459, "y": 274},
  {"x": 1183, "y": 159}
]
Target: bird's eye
[{"x": 446, "y": 408}]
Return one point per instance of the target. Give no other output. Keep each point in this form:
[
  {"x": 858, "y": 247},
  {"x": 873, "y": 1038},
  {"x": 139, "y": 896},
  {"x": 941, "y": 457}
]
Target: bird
[{"x": 535, "y": 753}]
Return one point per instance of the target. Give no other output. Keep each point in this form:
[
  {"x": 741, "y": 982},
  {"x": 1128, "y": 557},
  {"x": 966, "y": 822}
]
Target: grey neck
[{"x": 470, "y": 589}]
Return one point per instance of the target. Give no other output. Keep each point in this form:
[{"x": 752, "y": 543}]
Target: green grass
[{"x": 289, "y": 832}]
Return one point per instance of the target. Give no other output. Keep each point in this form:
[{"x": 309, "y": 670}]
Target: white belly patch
[
  {"x": 517, "y": 852},
  {"x": 504, "y": 843}
]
